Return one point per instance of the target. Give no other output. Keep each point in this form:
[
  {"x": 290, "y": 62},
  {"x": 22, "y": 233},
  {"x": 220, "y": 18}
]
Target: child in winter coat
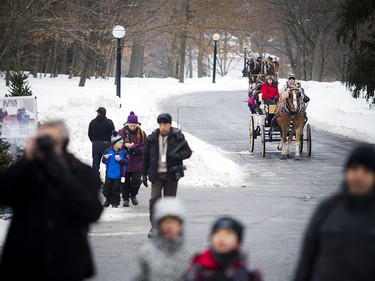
[
  {"x": 115, "y": 159},
  {"x": 223, "y": 261},
  {"x": 165, "y": 257}
]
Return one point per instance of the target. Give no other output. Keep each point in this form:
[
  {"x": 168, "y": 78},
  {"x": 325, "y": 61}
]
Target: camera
[
  {"x": 46, "y": 144},
  {"x": 179, "y": 171}
]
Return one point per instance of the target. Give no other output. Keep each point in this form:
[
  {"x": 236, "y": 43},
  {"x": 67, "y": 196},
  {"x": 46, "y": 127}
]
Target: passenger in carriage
[
  {"x": 253, "y": 102},
  {"x": 291, "y": 82},
  {"x": 270, "y": 94}
]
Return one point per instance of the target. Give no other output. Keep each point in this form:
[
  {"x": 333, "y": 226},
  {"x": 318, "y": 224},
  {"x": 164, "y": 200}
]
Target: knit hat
[
  {"x": 115, "y": 137},
  {"x": 363, "y": 155},
  {"x": 168, "y": 207},
  {"x": 230, "y": 223},
  {"x": 132, "y": 118},
  {"x": 101, "y": 110},
  {"x": 164, "y": 118}
]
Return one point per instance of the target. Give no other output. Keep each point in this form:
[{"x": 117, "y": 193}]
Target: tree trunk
[
  {"x": 183, "y": 37},
  {"x": 190, "y": 62},
  {"x": 64, "y": 62},
  {"x": 136, "y": 60},
  {"x": 200, "y": 57},
  {"x": 172, "y": 57},
  {"x": 86, "y": 68},
  {"x": 54, "y": 60},
  {"x": 317, "y": 63}
]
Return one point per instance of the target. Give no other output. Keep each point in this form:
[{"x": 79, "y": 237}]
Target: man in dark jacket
[
  {"x": 339, "y": 243},
  {"x": 165, "y": 149},
  {"x": 100, "y": 130},
  {"x": 54, "y": 197}
]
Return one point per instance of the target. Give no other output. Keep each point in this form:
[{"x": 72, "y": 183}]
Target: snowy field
[{"x": 331, "y": 108}]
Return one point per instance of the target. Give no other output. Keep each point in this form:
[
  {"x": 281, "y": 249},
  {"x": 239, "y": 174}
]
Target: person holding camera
[
  {"x": 54, "y": 197},
  {"x": 165, "y": 150}
]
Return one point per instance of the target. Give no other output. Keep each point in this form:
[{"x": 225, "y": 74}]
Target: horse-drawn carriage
[
  {"x": 279, "y": 122},
  {"x": 258, "y": 69}
]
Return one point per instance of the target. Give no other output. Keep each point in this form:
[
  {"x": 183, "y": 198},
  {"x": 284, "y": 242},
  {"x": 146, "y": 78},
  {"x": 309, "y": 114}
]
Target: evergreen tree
[
  {"x": 5, "y": 156},
  {"x": 357, "y": 31},
  {"x": 18, "y": 84}
]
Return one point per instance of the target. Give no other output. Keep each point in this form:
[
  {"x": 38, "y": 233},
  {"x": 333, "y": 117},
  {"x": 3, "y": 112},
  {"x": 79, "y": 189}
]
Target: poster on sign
[{"x": 18, "y": 119}]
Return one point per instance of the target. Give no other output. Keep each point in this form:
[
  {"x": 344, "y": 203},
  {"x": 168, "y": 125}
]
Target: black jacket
[
  {"x": 339, "y": 244},
  {"x": 101, "y": 128},
  {"x": 53, "y": 201},
  {"x": 174, "y": 158}
]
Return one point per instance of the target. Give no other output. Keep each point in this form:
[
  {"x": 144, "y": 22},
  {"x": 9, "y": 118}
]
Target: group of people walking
[{"x": 132, "y": 158}]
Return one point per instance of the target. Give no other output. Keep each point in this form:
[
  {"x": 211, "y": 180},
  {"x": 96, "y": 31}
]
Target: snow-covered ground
[{"x": 331, "y": 108}]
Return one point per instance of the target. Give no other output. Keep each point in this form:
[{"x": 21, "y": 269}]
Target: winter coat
[
  {"x": 115, "y": 169},
  {"x": 174, "y": 159},
  {"x": 139, "y": 139},
  {"x": 269, "y": 92},
  {"x": 339, "y": 243},
  {"x": 160, "y": 258},
  {"x": 204, "y": 267},
  {"x": 54, "y": 201},
  {"x": 100, "y": 129}
]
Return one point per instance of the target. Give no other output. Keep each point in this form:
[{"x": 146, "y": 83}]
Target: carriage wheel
[
  {"x": 263, "y": 141},
  {"x": 251, "y": 131},
  {"x": 308, "y": 139}
]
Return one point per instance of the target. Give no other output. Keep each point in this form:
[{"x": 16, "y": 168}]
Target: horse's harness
[{"x": 287, "y": 107}]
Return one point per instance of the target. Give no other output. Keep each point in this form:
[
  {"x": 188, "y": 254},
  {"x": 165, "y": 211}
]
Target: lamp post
[
  {"x": 216, "y": 38},
  {"x": 118, "y": 32},
  {"x": 244, "y": 71}
]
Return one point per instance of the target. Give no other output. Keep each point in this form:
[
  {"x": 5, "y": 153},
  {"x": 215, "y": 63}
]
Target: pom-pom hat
[
  {"x": 132, "y": 118},
  {"x": 115, "y": 138}
]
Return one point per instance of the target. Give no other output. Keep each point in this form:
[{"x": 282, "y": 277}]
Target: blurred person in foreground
[
  {"x": 54, "y": 197},
  {"x": 339, "y": 243},
  {"x": 224, "y": 260},
  {"x": 165, "y": 257}
]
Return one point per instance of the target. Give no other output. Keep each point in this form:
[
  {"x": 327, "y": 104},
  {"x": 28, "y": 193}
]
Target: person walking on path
[
  {"x": 100, "y": 130},
  {"x": 54, "y": 197},
  {"x": 166, "y": 257},
  {"x": 134, "y": 142},
  {"x": 339, "y": 244},
  {"x": 115, "y": 158},
  {"x": 165, "y": 150},
  {"x": 224, "y": 260}
]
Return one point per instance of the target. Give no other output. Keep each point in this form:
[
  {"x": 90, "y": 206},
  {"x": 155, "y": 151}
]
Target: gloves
[
  {"x": 134, "y": 151},
  {"x": 144, "y": 180}
]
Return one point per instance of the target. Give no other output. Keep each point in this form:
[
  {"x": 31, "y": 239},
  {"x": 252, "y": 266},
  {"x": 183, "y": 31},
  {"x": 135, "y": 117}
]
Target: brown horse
[{"x": 290, "y": 108}]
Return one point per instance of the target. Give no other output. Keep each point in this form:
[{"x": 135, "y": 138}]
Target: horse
[{"x": 290, "y": 107}]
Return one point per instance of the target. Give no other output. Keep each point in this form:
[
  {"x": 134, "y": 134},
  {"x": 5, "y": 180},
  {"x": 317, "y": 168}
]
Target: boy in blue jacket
[{"x": 115, "y": 159}]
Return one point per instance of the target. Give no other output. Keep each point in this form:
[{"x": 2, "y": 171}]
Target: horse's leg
[
  {"x": 285, "y": 150},
  {"x": 290, "y": 138},
  {"x": 298, "y": 121}
]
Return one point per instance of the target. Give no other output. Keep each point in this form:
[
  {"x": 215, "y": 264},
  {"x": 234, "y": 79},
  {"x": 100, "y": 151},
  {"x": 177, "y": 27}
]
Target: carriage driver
[{"x": 291, "y": 82}]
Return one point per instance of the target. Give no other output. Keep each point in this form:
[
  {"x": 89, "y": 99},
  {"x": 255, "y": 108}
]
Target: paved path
[{"x": 275, "y": 204}]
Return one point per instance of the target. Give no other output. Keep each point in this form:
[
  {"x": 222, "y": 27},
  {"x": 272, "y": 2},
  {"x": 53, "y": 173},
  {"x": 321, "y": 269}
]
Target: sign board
[{"x": 18, "y": 119}]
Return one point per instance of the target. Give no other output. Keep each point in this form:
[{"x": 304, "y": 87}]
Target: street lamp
[
  {"x": 118, "y": 32},
  {"x": 215, "y": 37},
  {"x": 244, "y": 71}
]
